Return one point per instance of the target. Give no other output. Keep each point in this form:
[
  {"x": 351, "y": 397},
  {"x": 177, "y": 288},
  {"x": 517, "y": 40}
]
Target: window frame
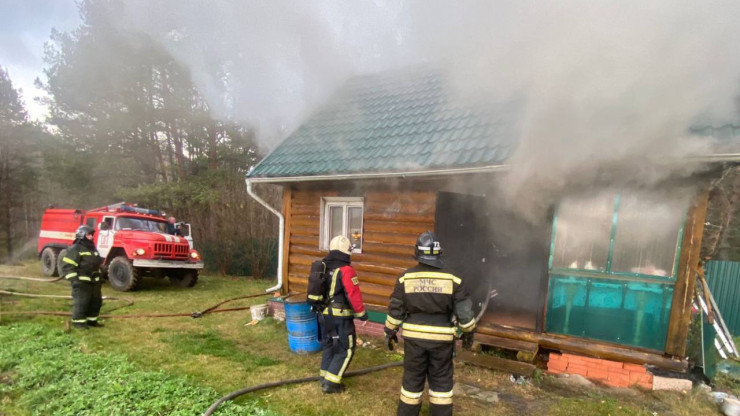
[
  {"x": 607, "y": 272},
  {"x": 327, "y": 203}
]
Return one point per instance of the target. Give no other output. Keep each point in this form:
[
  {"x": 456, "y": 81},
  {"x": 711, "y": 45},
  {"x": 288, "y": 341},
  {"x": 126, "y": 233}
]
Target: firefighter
[
  {"x": 81, "y": 266},
  {"x": 344, "y": 304},
  {"x": 424, "y": 301}
]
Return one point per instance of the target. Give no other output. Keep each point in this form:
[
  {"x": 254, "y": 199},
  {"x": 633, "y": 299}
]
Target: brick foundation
[{"x": 611, "y": 373}]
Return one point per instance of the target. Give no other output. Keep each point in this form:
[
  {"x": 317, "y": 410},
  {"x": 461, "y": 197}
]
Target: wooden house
[{"x": 393, "y": 155}]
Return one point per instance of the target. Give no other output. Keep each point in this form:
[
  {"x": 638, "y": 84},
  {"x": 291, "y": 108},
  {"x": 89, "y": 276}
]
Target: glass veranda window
[
  {"x": 583, "y": 232},
  {"x": 647, "y": 233}
]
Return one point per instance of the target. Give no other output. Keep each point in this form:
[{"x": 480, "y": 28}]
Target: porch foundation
[{"x": 611, "y": 373}]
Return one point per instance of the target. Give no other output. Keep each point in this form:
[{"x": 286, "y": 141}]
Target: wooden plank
[
  {"x": 397, "y": 226},
  {"x": 373, "y": 289},
  {"x": 383, "y": 215},
  {"x": 385, "y": 260},
  {"x": 398, "y": 249},
  {"x": 304, "y": 230},
  {"x": 374, "y": 268},
  {"x": 587, "y": 347},
  {"x": 507, "y": 343},
  {"x": 305, "y": 240},
  {"x": 683, "y": 290},
  {"x": 308, "y": 250},
  {"x": 286, "y": 238},
  {"x": 306, "y": 220},
  {"x": 378, "y": 278},
  {"x": 310, "y": 210},
  {"x": 398, "y": 208},
  {"x": 370, "y": 299},
  {"x": 301, "y": 259},
  {"x": 305, "y": 197},
  {"x": 497, "y": 363},
  {"x": 392, "y": 238},
  {"x": 405, "y": 197}
]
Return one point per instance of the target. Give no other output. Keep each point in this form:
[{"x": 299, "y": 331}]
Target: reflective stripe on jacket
[{"x": 423, "y": 302}]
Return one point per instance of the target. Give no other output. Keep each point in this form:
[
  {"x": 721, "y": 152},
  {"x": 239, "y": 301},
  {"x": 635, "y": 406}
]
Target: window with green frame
[
  {"x": 613, "y": 262},
  {"x": 636, "y": 234}
]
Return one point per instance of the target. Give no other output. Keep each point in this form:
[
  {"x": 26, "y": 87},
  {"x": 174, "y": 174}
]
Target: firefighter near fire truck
[
  {"x": 132, "y": 241},
  {"x": 81, "y": 266},
  {"x": 431, "y": 305}
]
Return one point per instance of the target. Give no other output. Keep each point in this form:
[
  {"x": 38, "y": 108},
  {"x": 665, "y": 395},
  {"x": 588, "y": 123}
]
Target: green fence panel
[
  {"x": 615, "y": 310},
  {"x": 724, "y": 282}
]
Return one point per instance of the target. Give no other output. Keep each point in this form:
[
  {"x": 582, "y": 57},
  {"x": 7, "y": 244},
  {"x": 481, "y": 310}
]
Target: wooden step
[
  {"x": 497, "y": 363},
  {"x": 507, "y": 343}
]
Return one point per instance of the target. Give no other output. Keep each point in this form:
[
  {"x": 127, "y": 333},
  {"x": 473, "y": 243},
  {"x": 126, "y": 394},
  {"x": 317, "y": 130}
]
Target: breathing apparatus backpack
[{"x": 317, "y": 285}]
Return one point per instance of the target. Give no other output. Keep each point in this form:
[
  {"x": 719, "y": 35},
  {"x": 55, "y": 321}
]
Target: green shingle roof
[{"x": 393, "y": 122}]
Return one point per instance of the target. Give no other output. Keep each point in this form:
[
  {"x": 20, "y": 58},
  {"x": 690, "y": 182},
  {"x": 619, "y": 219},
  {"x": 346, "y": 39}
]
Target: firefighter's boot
[{"x": 330, "y": 388}]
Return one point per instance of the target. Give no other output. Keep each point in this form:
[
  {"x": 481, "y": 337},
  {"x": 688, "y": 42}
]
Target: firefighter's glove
[
  {"x": 316, "y": 307},
  {"x": 364, "y": 317},
  {"x": 467, "y": 341},
  {"x": 390, "y": 338}
]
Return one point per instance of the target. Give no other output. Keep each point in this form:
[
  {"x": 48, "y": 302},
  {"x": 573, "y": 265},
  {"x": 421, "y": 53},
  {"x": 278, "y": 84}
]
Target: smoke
[{"x": 609, "y": 89}]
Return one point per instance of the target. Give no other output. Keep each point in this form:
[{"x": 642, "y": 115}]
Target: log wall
[{"x": 391, "y": 223}]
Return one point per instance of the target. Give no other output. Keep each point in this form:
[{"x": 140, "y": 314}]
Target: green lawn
[{"x": 181, "y": 365}]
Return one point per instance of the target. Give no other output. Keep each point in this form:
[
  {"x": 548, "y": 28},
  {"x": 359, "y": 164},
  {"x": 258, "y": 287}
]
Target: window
[
  {"x": 583, "y": 231},
  {"x": 140, "y": 224},
  {"x": 90, "y": 222},
  {"x": 342, "y": 216},
  {"x": 629, "y": 234},
  {"x": 645, "y": 242}
]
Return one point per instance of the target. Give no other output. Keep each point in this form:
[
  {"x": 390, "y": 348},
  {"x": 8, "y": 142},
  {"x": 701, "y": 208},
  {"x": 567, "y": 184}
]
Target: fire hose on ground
[
  {"x": 212, "y": 309},
  {"x": 278, "y": 383},
  {"x": 198, "y": 314}
]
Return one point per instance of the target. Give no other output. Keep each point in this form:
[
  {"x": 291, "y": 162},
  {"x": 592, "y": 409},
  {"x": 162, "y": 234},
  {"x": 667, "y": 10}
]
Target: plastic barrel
[{"x": 302, "y": 328}]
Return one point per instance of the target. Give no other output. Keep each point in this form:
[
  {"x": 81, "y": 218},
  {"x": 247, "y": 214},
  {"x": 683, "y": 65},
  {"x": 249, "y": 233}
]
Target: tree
[{"x": 19, "y": 161}]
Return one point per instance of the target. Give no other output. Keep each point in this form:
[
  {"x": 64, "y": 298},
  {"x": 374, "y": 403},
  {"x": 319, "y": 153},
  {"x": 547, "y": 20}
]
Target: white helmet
[{"x": 341, "y": 243}]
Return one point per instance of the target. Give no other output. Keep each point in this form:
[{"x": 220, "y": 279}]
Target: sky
[{"x": 24, "y": 27}]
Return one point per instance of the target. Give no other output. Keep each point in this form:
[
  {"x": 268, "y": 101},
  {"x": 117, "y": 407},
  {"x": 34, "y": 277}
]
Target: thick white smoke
[{"x": 608, "y": 88}]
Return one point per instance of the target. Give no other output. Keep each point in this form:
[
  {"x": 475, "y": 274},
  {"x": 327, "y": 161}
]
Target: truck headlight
[
  {"x": 140, "y": 252},
  {"x": 194, "y": 255}
]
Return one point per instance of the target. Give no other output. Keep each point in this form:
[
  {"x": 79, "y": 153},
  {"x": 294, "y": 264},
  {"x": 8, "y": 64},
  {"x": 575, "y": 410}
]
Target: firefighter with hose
[
  {"x": 81, "y": 266},
  {"x": 424, "y": 301}
]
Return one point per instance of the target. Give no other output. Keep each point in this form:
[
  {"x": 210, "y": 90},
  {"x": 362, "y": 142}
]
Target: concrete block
[
  {"x": 672, "y": 384},
  {"x": 730, "y": 407}
]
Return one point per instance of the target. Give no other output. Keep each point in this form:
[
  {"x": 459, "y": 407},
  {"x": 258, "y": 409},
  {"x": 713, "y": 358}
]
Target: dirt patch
[{"x": 7, "y": 377}]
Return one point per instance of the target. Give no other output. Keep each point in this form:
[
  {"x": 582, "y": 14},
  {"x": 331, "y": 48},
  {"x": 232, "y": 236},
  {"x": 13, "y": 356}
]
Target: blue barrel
[{"x": 302, "y": 328}]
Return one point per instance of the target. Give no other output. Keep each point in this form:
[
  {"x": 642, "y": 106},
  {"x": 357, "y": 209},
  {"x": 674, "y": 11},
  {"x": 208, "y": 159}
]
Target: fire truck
[{"x": 133, "y": 242}]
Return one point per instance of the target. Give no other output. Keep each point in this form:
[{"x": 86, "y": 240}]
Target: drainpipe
[{"x": 280, "y": 238}]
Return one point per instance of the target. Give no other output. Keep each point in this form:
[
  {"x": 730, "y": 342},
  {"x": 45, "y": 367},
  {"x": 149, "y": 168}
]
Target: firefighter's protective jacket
[
  {"x": 424, "y": 301},
  {"x": 343, "y": 290},
  {"x": 82, "y": 262}
]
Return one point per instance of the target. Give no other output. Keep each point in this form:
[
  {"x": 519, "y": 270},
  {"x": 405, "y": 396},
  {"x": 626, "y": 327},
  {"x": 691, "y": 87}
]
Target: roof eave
[{"x": 381, "y": 175}]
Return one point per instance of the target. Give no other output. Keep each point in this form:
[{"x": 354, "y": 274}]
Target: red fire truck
[{"x": 132, "y": 240}]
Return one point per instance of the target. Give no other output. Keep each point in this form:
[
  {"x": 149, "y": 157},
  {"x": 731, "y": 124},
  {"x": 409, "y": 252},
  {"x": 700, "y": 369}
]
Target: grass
[{"x": 183, "y": 364}]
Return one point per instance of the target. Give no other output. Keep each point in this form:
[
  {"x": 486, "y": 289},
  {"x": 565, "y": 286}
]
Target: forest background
[{"x": 127, "y": 123}]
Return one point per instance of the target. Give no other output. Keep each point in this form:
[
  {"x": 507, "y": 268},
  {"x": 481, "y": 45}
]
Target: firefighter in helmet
[
  {"x": 81, "y": 266},
  {"x": 344, "y": 305},
  {"x": 424, "y": 300}
]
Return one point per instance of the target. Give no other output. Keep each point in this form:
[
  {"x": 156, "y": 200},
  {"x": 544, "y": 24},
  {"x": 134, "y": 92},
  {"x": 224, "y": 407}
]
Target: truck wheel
[
  {"x": 183, "y": 278},
  {"x": 60, "y": 262},
  {"x": 49, "y": 262},
  {"x": 122, "y": 275}
]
